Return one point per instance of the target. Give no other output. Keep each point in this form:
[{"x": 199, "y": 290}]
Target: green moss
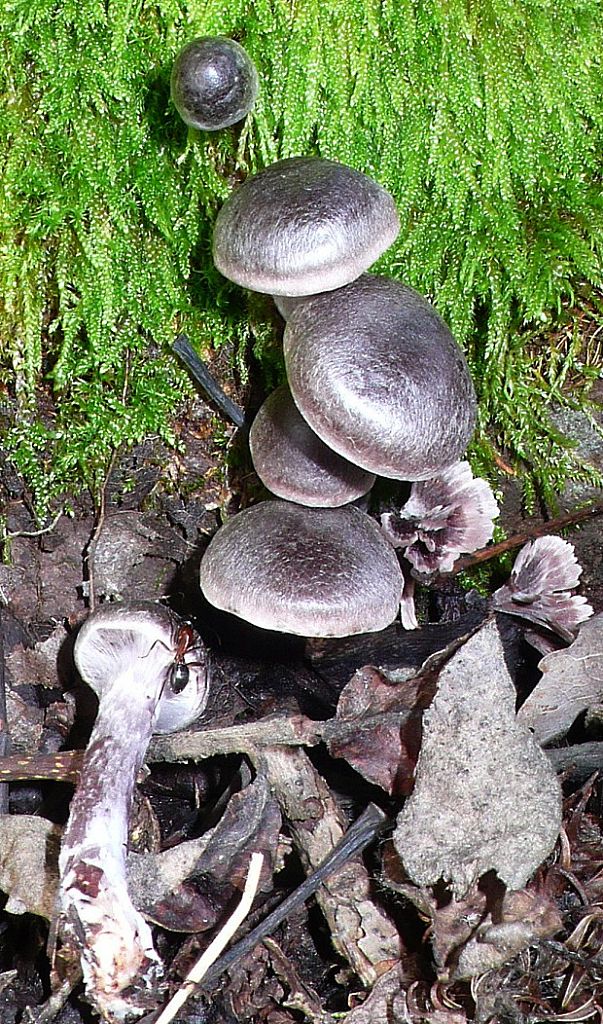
[{"x": 484, "y": 119}]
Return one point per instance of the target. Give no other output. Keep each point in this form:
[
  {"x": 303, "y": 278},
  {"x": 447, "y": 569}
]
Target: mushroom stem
[
  {"x": 149, "y": 671},
  {"x": 118, "y": 947}
]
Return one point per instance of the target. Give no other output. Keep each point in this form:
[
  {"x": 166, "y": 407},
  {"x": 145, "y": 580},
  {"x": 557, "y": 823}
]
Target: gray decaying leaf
[
  {"x": 443, "y": 517},
  {"x": 539, "y": 589},
  {"x": 29, "y": 850},
  {"x": 572, "y": 680},
  {"x": 486, "y": 797},
  {"x": 469, "y": 938}
]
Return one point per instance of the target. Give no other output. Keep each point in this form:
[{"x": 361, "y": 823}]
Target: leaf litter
[{"x": 479, "y": 907}]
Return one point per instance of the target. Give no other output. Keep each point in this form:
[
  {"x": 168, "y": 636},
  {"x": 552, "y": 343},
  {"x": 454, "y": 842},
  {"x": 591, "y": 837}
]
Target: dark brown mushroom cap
[
  {"x": 137, "y": 643},
  {"x": 311, "y": 572},
  {"x": 214, "y": 83},
  {"x": 301, "y": 226},
  {"x": 379, "y": 377},
  {"x": 292, "y": 461}
]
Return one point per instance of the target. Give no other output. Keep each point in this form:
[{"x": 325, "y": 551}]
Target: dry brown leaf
[
  {"x": 29, "y": 850},
  {"x": 377, "y": 729},
  {"x": 186, "y": 889}
]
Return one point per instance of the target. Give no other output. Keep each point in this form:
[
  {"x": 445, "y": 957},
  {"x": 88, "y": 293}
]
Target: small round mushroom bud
[
  {"x": 214, "y": 83},
  {"x": 148, "y": 670},
  {"x": 379, "y": 377},
  {"x": 293, "y": 463},
  {"x": 303, "y": 225},
  {"x": 310, "y": 572}
]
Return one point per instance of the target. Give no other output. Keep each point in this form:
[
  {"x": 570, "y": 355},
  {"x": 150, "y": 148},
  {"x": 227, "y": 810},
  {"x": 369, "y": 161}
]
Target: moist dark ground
[{"x": 160, "y": 510}]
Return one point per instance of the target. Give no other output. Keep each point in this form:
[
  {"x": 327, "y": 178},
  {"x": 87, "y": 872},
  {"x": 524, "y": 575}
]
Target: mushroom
[
  {"x": 311, "y": 572},
  {"x": 378, "y": 376},
  {"x": 149, "y": 671},
  {"x": 295, "y": 464},
  {"x": 540, "y": 586},
  {"x": 444, "y": 516},
  {"x": 214, "y": 83},
  {"x": 301, "y": 226}
]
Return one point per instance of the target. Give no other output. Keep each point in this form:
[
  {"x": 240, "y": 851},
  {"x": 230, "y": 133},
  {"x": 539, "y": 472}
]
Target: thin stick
[
  {"x": 359, "y": 835},
  {"x": 34, "y": 533},
  {"x": 221, "y": 940},
  {"x": 198, "y": 369},
  {"x": 514, "y": 541}
]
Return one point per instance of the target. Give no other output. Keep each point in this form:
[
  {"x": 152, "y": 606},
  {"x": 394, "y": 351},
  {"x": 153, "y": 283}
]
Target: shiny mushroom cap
[
  {"x": 214, "y": 83},
  {"x": 379, "y": 377},
  {"x": 301, "y": 226},
  {"x": 293, "y": 463},
  {"x": 310, "y": 572}
]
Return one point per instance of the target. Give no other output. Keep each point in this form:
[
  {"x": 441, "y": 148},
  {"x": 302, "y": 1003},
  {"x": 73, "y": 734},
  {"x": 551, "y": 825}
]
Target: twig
[
  {"x": 360, "y": 931},
  {"x": 53, "y": 1006},
  {"x": 233, "y": 412},
  {"x": 359, "y": 835},
  {"x": 210, "y": 955},
  {"x": 64, "y": 766},
  {"x": 516, "y": 539},
  {"x": 34, "y": 533}
]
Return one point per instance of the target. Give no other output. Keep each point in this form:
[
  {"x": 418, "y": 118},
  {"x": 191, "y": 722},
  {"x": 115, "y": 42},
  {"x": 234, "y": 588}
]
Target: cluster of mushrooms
[{"x": 376, "y": 386}]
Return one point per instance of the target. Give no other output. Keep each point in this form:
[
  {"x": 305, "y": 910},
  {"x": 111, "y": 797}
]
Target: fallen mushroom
[
  {"x": 378, "y": 376},
  {"x": 311, "y": 572},
  {"x": 301, "y": 226},
  {"x": 149, "y": 671},
  {"x": 293, "y": 463},
  {"x": 214, "y": 83}
]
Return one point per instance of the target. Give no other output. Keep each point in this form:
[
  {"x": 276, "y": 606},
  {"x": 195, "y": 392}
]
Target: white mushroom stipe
[
  {"x": 292, "y": 461},
  {"x": 312, "y": 572},
  {"x": 303, "y": 225},
  {"x": 377, "y": 374},
  {"x": 131, "y": 656}
]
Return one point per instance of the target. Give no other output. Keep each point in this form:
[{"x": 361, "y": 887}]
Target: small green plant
[{"x": 484, "y": 119}]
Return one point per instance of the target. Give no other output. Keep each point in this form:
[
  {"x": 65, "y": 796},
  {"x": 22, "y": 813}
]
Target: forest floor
[{"x": 300, "y": 737}]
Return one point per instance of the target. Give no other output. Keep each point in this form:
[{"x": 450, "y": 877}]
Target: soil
[{"x": 159, "y": 512}]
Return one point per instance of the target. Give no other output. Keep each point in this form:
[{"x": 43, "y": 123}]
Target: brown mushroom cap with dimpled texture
[
  {"x": 311, "y": 572},
  {"x": 293, "y": 463},
  {"x": 379, "y": 377},
  {"x": 303, "y": 225}
]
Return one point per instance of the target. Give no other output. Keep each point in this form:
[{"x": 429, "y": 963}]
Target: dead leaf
[
  {"x": 492, "y": 936},
  {"x": 572, "y": 680},
  {"x": 377, "y": 729},
  {"x": 486, "y": 797},
  {"x": 28, "y": 864},
  {"x": 186, "y": 889}
]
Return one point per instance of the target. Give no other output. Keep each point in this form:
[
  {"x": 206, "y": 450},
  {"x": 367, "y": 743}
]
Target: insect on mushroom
[{"x": 138, "y": 659}]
